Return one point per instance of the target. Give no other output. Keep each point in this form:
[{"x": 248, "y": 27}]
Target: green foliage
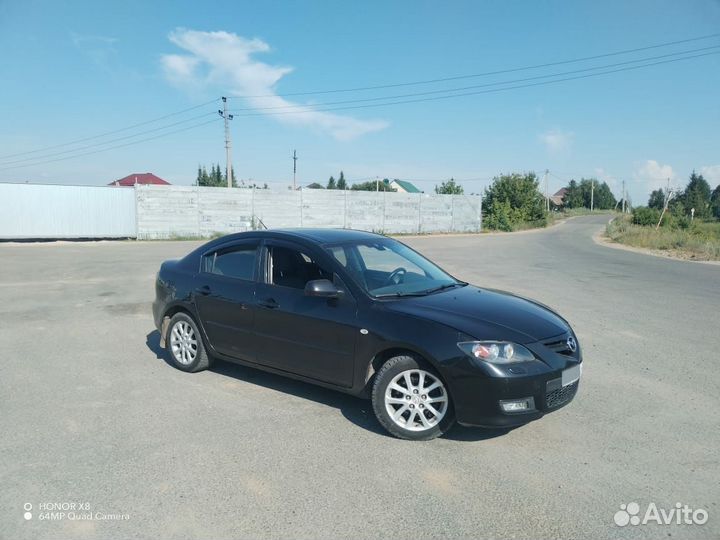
[
  {"x": 701, "y": 240},
  {"x": 342, "y": 183},
  {"x": 215, "y": 178},
  {"x": 331, "y": 183},
  {"x": 513, "y": 200},
  {"x": 449, "y": 188},
  {"x": 657, "y": 199},
  {"x": 573, "y": 196},
  {"x": 372, "y": 186},
  {"x": 642, "y": 215},
  {"x": 603, "y": 197},
  {"x": 697, "y": 195},
  {"x": 589, "y": 193},
  {"x": 715, "y": 203}
]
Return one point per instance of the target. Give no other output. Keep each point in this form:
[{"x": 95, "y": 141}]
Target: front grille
[
  {"x": 559, "y": 346},
  {"x": 561, "y": 395}
]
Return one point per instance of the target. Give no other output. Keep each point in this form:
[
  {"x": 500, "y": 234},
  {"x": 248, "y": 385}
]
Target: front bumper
[{"x": 477, "y": 396}]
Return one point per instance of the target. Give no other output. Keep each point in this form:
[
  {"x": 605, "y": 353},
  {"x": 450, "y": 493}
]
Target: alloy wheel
[
  {"x": 416, "y": 400},
  {"x": 183, "y": 342}
]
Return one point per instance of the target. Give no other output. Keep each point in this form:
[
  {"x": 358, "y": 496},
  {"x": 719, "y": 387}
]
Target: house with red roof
[{"x": 140, "y": 178}]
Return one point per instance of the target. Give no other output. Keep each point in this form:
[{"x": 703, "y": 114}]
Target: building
[
  {"x": 557, "y": 199},
  {"x": 403, "y": 186},
  {"x": 140, "y": 178}
]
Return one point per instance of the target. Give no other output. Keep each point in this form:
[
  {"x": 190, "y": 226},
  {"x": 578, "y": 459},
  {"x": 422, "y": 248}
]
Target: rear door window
[{"x": 238, "y": 262}]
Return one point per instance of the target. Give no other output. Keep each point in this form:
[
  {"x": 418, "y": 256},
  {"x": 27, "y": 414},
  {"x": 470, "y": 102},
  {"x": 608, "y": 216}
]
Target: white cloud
[
  {"x": 556, "y": 140},
  {"x": 226, "y": 59},
  {"x": 711, "y": 173},
  {"x": 649, "y": 176},
  {"x": 610, "y": 179}
]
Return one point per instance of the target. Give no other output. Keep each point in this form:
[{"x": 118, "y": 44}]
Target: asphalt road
[{"x": 90, "y": 413}]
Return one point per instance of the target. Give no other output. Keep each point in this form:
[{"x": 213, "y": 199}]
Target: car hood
[{"x": 485, "y": 314}]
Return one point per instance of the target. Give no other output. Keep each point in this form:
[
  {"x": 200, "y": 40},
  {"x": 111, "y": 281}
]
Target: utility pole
[
  {"x": 592, "y": 194},
  {"x": 623, "y": 197},
  {"x": 295, "y": 158},
  {"x": 547, "y": 196},
  {"x": 228, "y": 143},
  {"x": 668, "y": 196},
  {"x": 377, "y": 184}
]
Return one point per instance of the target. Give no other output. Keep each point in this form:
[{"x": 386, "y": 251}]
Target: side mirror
[{"x": 323, "y": 288}]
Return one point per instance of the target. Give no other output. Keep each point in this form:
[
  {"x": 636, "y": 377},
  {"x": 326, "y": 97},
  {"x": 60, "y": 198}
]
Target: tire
[
  {"x": 185, "y": 345},
  {"x": 400, "y": 405}
]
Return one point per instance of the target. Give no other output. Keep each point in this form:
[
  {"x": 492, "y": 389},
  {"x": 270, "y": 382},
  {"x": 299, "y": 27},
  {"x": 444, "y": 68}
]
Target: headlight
[{"x": 496, "y": 352}]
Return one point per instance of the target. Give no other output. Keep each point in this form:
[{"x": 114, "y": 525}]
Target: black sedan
[{"x": 367, "y": 315}]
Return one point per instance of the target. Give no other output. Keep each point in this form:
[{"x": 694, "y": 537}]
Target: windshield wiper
[
  {"x": 446, "y": 286},
  {"x": 422, "y": 293},
  {"x": 400, "y": 294}
]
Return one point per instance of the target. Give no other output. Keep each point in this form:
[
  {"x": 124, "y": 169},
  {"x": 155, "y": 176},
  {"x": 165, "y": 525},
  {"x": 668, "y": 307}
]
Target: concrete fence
[{"x": 155, "y": 212}]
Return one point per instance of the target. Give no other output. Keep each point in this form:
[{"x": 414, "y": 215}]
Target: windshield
[{"x": 387, "y": 268}]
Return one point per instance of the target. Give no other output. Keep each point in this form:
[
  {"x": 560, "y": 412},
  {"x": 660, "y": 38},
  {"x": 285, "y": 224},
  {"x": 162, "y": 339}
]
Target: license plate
[{"x": 571, "y": 375}]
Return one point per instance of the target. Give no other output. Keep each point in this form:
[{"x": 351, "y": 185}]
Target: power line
[
  {"x": 487, "y": 73},
  {"x": 459, "y": 89},
  {"x": 109, "y": 132},
  {"x": 110, "y": 141},
  {"x": 311, "y": 108},
  {"x": 112, "y": 147}
]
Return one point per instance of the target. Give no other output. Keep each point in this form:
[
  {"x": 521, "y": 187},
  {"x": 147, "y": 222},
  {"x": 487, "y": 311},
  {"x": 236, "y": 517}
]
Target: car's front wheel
[
  {"x": 411, "y": 401},
  {"x": 185, "y": 344}
]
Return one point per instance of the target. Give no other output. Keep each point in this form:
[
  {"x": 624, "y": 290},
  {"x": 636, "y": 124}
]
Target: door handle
[
  {"x": 204, "y": 290},
  {"x": 269, "y": 303}
]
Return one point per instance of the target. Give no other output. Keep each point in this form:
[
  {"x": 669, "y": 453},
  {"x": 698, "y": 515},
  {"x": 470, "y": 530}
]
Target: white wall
[
  {"x": 50, "y": 211},
  {"x": 171, "y": 211},
  {"x": 146, "y": 212}
]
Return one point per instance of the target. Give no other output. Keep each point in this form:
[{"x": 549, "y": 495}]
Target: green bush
[
  {"x": 642, "y": 215},
  {"x": 682, "y": 222},
  {"x": 513, "y": 201}
]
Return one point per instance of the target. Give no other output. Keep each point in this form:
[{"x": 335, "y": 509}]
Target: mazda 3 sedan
[{"x": 365, "y": 314}]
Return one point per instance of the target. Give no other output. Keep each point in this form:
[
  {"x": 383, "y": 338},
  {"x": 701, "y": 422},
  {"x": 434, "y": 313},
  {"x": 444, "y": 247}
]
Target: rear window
[{"x": 237, "y": 262}]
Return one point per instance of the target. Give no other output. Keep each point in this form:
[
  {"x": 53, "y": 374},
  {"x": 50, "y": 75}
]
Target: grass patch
[{"x": 700, "y": 241}]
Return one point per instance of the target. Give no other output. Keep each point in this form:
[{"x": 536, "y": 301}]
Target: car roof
[
  {"x": 328, "y": 236},
  {"x": 319, "y": 236}
]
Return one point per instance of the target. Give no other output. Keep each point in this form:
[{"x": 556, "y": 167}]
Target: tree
[
  {"x": 573, "y": 197},
  {"x": 715, "y": 203},
  {"x": 589, "y": 193},
  {"x": 697, "y": 195},
  {"x": 315, "y": 185},
  {"x": 513, "y": 199},
  {"x": 657, "y": 199},
  {"x": 372, "y": 185},
  {"x": 215, "y": 178},
  {"x": 342, "y": 183},
  {"x": 331, "y": 183},
  {"x": 449, "y": 188},
  {"x": 604, "y": 198}
]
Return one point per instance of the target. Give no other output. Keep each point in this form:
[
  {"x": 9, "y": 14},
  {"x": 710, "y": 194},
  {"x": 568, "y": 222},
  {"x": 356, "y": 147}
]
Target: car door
[
  {"x": 225, "y": 298},
  {"x": 306, "y": 335}
]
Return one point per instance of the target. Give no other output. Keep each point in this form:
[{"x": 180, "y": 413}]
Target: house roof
[
  {"x": 139, "y": 178},
  {"x": 557, "y": 199},
  {"x": 407, "y": 186}
]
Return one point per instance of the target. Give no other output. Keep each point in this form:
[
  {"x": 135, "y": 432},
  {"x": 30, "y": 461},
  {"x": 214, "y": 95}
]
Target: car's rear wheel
[
  {"x": 411, "y": 401},
  {"x": 185, "y": 344}
]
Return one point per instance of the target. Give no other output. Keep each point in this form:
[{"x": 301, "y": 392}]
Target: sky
[{"x": 85, "y": 85}]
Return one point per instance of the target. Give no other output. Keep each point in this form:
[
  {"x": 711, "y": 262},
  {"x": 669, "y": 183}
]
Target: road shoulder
[{"x": 600, "y": 239}]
